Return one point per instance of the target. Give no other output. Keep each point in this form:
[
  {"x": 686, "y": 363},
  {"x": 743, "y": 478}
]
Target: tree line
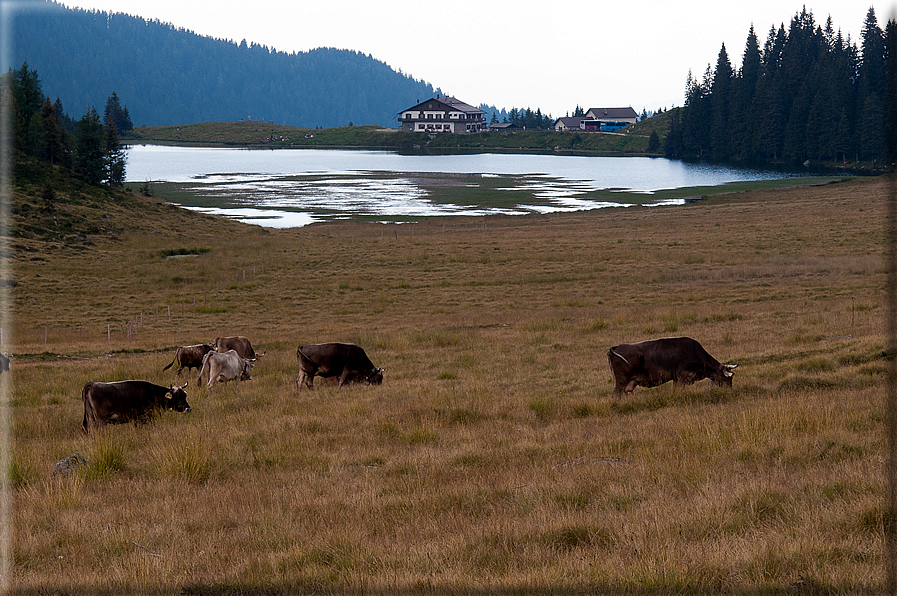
[
  {"x": 809, "y": 94},
  {"x": 89, "y": 147}
]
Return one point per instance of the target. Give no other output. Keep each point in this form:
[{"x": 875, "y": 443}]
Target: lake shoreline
[{"x": 386, "y": 185}]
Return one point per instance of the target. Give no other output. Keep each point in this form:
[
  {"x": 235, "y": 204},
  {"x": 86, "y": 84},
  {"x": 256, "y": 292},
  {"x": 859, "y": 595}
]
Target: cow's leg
[
  {"x": 299, "y": 380},
  {"x": 342, "y": 378}
]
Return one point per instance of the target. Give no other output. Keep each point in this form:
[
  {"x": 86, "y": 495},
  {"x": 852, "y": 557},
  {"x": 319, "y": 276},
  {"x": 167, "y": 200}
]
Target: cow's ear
[{"x": 168, "y": 395}]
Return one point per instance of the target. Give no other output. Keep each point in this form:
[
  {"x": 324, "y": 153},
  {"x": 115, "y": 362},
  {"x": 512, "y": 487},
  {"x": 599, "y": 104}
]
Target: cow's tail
[
  {"x": 172, "y": 362},
  {"x": 301, "y": 355},
  {"x": 84, "y": 393},
  {"x": 613, "y": 352},
  {"x": 202, "y": 370}
]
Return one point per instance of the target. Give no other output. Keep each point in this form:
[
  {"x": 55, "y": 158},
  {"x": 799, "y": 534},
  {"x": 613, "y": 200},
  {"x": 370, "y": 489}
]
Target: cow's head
[
  {"x": 727, "y": 371},
  {"x": 246, "y": 373},
  {"x": 375, "y": 377},
  {"x": 177, "y": 399}
]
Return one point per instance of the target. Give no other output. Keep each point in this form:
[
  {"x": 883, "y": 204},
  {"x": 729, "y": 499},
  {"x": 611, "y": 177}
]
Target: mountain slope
[{"x": 166, "y": 75}]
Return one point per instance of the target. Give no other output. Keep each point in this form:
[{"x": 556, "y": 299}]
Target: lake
[{"x": 296, "y": 187}]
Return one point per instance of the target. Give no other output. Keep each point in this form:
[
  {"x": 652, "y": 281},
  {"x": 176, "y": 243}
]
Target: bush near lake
[{"x": 493, "y": 457}]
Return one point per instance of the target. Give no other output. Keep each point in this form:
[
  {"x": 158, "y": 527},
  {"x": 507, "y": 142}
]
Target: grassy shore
[
  {"x": 633, "y": 141},
  {"x": 493, "y": 459}
]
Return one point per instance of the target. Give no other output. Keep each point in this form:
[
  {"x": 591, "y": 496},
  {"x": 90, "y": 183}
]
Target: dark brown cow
[
  {"x": 190, "y": 356},
  {"x": 237, "y": 343},
  {"x": 348, "y": 361},
  {"x": 128, "y": 401},
  {"x": 4, "y": 363},
  {"x": 654, "y": 362}
]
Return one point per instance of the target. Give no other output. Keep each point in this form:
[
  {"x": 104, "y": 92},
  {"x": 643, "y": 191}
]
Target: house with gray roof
[{"x": 443, "y": 114}]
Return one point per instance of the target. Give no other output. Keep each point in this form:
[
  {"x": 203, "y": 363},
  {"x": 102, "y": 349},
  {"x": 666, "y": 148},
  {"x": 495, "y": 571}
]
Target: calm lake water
[{"x": 295, "y": 187}]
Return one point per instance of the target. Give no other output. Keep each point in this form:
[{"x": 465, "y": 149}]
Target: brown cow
[
  {"x": 237, "y": 343},
  {"x": 190, "y": 356},
  {"x": 348, "y": 361},
  {"x": 654, "y": 362},
  {"x": 128, "y": 401}
]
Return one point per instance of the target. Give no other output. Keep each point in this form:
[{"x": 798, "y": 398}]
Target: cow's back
[{"x": 241, "y": 345}]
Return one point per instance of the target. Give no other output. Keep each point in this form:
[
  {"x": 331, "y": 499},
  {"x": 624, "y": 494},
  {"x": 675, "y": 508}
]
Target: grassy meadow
[{"x": 493, "y": 459}]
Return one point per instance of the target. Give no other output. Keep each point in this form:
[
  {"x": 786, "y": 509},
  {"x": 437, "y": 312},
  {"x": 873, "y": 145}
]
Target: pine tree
[
  {"x": 117, "y": 114},
  {"x": 28, "y": 96},
  {"x": 89, "y": 148},
  {"x": 654, "y": 142},
  {"x": 721, "y": 95},
  {"x": 114, "y": 159},
  {"x": 47, "y": 138}
]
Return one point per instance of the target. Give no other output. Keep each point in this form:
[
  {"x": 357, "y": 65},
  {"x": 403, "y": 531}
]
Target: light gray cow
[{"x": 225, "y": 367}]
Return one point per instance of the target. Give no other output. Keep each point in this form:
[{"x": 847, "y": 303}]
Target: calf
[
  {"x": 127, "y": 401},
  {"x": 348, "y": 361},
  {"x": 654, "y": 362}
]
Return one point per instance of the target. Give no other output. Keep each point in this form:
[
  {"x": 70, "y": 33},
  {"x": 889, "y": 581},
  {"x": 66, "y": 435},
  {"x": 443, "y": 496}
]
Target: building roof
[
  {"x": 570, "y": 121},
  {"x": 446, "y": 103},
  {"x": 612, "y": 113}
]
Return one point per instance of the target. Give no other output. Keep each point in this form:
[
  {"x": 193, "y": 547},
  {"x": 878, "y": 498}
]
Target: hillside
[{"x": 166, "y": 75}]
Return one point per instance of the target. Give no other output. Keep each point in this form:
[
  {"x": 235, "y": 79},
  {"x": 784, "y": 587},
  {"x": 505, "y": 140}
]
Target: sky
[{"x": 521, "y": 53}]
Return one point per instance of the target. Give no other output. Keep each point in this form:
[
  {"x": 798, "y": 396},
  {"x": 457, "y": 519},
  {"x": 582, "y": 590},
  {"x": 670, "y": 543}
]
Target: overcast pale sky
[{"x": 514, "y": 53}]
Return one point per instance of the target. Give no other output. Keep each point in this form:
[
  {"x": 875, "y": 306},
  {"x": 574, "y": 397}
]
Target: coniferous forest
[
  {"x": 168, "y": 75},
  {"x": 807, "y": 94}
]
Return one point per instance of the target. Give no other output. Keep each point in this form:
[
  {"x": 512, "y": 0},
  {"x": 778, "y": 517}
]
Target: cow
[
  {"x": 239, "y": 344},
  {"x": 128, "y": 401},
  {"x": 4, "y": 363},
  {"x": 348, "y": 361},
  {"x": 190, "y": 356},
  {"x": 225, "y": 367},
  {"x": 654, "y": 362}
]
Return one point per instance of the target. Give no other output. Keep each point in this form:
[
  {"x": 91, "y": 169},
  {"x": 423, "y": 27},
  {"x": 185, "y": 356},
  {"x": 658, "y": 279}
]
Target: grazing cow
[
  {"x": 654, "y": 362},
  {"x": 190, "y": 356},
  {"x": 348, "y": 361},
  {"x": 127, "y": 401},
  {"x": 4, "y": 363},
  {"x": 239, "y": 344},
  {"x": 225, "y": 367}
]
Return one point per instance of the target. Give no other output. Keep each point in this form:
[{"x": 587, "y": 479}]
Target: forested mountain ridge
[{"x": 168, "y": 75}]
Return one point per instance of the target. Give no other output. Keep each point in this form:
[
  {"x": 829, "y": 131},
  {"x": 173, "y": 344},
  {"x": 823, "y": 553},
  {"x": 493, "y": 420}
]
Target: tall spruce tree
[
  {"x": 871, "y": 89},
  {"x": 114, "y": 158},
  {"x": 90, "y": 146},
  {"x": 117, "y": 114}
]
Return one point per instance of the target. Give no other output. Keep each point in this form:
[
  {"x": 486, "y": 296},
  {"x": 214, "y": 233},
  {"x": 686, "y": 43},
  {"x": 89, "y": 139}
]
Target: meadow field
[{"x": 493, "y": 458}]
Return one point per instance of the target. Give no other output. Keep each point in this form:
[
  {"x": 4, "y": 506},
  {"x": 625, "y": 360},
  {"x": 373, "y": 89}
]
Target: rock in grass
[{"x": 65, "y": 467}]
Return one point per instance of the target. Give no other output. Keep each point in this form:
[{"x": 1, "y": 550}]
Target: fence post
[
  {"x": 169, "y": 312},
  {"x": 108, "y": 332}
]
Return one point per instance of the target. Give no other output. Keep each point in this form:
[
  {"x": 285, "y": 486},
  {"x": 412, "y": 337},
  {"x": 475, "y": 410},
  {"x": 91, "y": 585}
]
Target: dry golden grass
[{"x": 493, "y": 458}]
